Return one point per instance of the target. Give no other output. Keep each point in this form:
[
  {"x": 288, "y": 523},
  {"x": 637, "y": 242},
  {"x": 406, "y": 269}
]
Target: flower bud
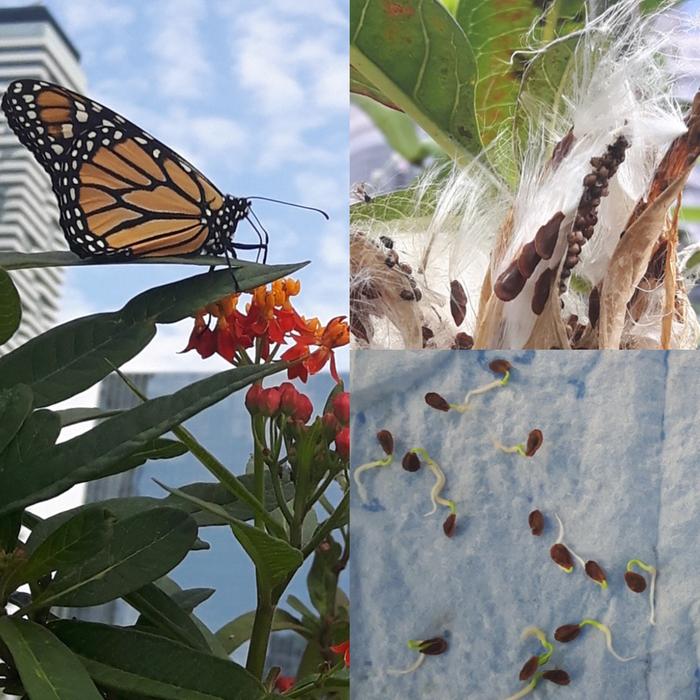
[
  {"x": 436, "y": 401},
  {"x": 635, "y": 582},
  {"x": 269, "y": 402},
  {"x": 557, "y": 676},
  {"x": 562, "y": 557},
  {"x": 288, "y": 396},
  {"x": 330, "y": 425},
  {"x": 303, "y": 408},
  {"x": 252, "y": 398},
  {"x": 386, "y": 440},
  {"x": 567, "y": 633},
  {"x": 536, "y": 522},
  {"x": 342, "y": 442},
  {"x": 341, "y": 407},
  {"x": 534, "y": 442},
  {"x": 528, "y": 670},
  {"x": 410, "y": 462}
]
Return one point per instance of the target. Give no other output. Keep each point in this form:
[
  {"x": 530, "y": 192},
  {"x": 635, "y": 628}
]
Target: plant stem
[
  {"x": 260, "y": 636},
  {"x": 258, "y": 427},
  {"x": 550, "y": 27}
]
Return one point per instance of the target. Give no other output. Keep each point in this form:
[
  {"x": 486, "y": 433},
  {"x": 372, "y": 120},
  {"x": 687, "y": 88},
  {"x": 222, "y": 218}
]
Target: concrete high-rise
[{"x": 32, "y": 45}]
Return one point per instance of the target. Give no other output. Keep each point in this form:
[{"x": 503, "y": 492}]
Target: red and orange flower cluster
[{"x": 268, "y": 322}]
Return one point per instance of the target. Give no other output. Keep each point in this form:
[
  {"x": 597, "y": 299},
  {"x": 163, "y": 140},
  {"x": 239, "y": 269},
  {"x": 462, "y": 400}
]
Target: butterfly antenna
[{"x": 293, "y": 204}]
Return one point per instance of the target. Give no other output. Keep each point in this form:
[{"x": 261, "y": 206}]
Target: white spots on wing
[
  {"x": 140, "y": 140},
  {"x": 56, "y": 148},
  {"x": 67, "y": 131},
  {"x": 31, "y": 113},
  {"x": 118, "y": 134},
  {"x": 82, "y": 117}
]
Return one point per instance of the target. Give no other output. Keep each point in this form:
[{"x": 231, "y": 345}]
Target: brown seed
[
  {"x": 407, "y": 295},
  {"x": 536, "y": 522},
  {"x": 386, "y": 241},
  {"x": 436, "y": 401},
  {"x": 593, "y": 307},
  {"x": 557, "y": 676},
  {"x": 528, "y": 260},
  {"x": 433, "y": 647},
  {"x": 567, "y": 633},
  {"x": 458, "y": 302},
  {"x": 574, "y": 249},
  {"x": 635, "y": 582},
  {"x": 449, "y": 527},
  {"x": 595, "y": 571},
  {"x": 404, "y": 267},
  {"x": 528, "y": 670},
  {"x": 389, "y": 262},
  {"x": 418, "y": 295},
  {"x": 427, "y": 334},
  {"x": 534, "y": 442},
  {"x": 509, "y": 283},
  {"x": 410, "y": 462},
  {"x": 571, "y": 260},
  {"x": 386, "y": 440},
  {"x": 543, "y": 287},
  {"x": 547, "y": 235},
  {"x": 589, "y": 180},
  {"x": 561, "y": 556},
  {"x": 561, "y": 150},
  {"x": 500, "y": 366},
  {"x": 463, "y": 341}
]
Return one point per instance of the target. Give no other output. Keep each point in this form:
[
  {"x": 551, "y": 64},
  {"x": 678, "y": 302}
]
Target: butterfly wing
[{"x": 120, "y": 191}]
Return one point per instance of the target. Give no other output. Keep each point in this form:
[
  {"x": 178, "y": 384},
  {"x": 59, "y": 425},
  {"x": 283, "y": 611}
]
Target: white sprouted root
[
  {"x": 515, "y": 449},
  {"x": 404, "y": 671},
  {"x": 652, "y": 586},
  {"x": 527, "y": 689},
  {"x": 560, "y": 540},
  {"x": 464, "y": 406},
  {"x": 361, "y": 489},
  {"x": 608, "y": 638},
  {"x": 438, "y": 485}
]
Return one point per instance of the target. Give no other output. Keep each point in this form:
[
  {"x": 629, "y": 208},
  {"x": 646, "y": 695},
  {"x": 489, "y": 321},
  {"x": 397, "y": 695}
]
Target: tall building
[{"x": 32, "y": 45}]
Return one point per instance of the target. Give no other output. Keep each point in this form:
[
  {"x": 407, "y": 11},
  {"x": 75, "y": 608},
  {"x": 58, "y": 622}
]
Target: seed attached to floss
[
  {"x": 425, "y": 647},
  {"x": 386, "y": 440},
  {"x": 410, "y": 462},
  {"x": 436, "y": 401},
  {"x": 633, "y": 582},
  {"x": 595, "y": 572},
  {"x": 536, "y": 522}
]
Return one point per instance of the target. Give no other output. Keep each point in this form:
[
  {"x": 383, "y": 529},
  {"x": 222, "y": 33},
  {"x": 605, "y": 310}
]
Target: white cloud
[{"x": 81, "y": 15}]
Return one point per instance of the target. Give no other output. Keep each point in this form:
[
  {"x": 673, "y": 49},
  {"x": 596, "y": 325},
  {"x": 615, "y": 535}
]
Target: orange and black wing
[{"x": 120, "y": 191}]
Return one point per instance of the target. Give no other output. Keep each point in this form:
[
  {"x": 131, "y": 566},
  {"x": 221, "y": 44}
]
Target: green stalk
[
  {"x": 258, "y": 426},
  {"x": 550, "y": 26},
  {"x": 260, "y": 636}
]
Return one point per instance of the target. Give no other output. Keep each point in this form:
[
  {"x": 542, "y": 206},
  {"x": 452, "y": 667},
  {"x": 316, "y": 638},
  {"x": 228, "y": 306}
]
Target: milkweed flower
[{"x": 344, "y": 650}]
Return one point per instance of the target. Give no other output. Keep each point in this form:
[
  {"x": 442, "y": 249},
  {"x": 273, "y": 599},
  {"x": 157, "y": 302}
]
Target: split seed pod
[
  {"x": 536, "y": 522},
  {"x": 528, "y": 670},
  {"x": 567, "y": 633},
  {"x": 557, "y": 676},
  {"x": 436, "y": 401},
  {"x": 562, "y": 557},
  {"x": 386, "y": 440},
  {"x": 635, "y": 582},
  {"x": 410, "y": 462},
  {"x": 534, "y": 442}
]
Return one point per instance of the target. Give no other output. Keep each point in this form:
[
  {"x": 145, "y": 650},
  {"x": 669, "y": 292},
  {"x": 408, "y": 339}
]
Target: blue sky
[{"x": 255, "y": 95}]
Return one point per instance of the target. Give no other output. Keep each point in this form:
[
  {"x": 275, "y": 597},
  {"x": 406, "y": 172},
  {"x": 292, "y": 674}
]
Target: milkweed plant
[
  {"x": 277, "y": 506},
  {"x": 555, "y": 150}
]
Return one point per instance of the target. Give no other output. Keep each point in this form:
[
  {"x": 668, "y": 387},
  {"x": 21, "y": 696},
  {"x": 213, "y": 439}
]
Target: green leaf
[
  {"x": 219, "y": 495},
  {"x": 339, "y": 518},
  {"x": 190, "y": 598},
  {"x": 361, "y": 86},
  {"x": 689, "y": 214},
  {"x": 97, "y": 452},
  {"x": 399, "y": 131},
  {"x": 15, "y": 405},
  {"x": 76, "y": 355},
  {"x": 142, "y": 549},
  {"x": 39, "y": 432},
  {"x": 415, "y": 54},
  {"x": 395, "y": 205},
  {"x": 322, "y": 581},
  {"x": 10, "y": 526},
  {"x": 160, "y": 448},
  {"x": 310, "y": 620},
  {"x": 275, "y": 560},
  {"x": 133, "y": 661},
  {"x": 156, "y": 606},
  {"x": 78, "y": 539},
  {"x": 237, "y": 632},
  {"x": 71, "y": 416},
  {"x": 10, "y": 307},
  {"x": 48, "y": 669}
]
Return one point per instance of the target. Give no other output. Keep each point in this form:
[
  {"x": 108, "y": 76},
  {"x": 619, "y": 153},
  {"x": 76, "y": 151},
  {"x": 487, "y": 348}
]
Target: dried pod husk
[
  {"x": 500, "y": 366},
  {"x": 458, "y": 302},
  {"x": 534, "y": 442},
  {"x": 386, "y": 440},
  {"x": 561, "y": 556},
  {"x": 436, "y": 401},
  {"x": 595, "y": 571},
  {"x": 433, "y": 647},
  {"x": 536, "y": 522},
  {"x": 558, "y": 676},
  {"x": 635, "y": 582},
  {"x": 528, "y": 670},
  {"x": 567, "y": 633},
  {"x": 449, "y": 527},
  {"x": 410, "y": 462}
]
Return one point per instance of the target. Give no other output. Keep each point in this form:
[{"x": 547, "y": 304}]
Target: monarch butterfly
[{"x": 121, "y": 192}]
